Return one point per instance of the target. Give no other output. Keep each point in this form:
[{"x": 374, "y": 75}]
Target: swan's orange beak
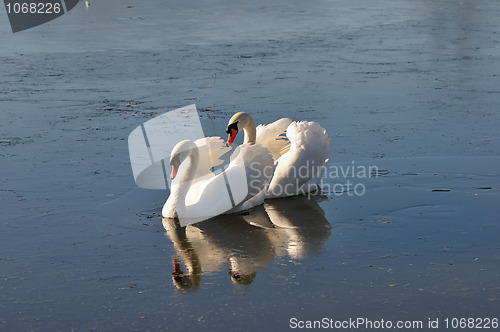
[
  {"x": 175, "y": 168},
  {"x": 232, "y": 136}
]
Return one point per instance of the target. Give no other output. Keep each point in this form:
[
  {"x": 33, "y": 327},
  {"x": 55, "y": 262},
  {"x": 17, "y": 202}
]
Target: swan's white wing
[
  {"x": 213, "y": 199},
  {"x": 205, "y": 199},
  {"x": 210, "y": 150},
  {"x": 301, "y": 168},
  {"x": 258, "y": 166},
  {"x": 247, "y": 177},
  {"x": 273, "y": 136}
]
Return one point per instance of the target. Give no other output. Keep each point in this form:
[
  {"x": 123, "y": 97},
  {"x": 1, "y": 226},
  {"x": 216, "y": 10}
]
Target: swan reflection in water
[{"x": 295, "y": 226}]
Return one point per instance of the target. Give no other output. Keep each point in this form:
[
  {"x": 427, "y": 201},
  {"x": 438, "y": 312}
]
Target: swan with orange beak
[
  {"x": 241, "y": 121},
  {"x": 294, "y": 145}
]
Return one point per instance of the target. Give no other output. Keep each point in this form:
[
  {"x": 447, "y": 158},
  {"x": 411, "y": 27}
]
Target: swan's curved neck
[
  {"x": 185, "y": 181},
  {"x": 250, "y": 130}
]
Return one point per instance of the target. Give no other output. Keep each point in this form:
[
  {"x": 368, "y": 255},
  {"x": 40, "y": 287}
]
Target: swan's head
[
  {"x": 180, "y": 152},
  {"x": 238, "y": 122}
]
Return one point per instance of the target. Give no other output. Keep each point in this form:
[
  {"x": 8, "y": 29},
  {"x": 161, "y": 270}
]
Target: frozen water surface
[{"x": 409, "y": 87}]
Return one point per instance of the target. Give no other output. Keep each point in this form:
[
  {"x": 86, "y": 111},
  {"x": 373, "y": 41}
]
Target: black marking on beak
[{"x": 232, "y": 126}]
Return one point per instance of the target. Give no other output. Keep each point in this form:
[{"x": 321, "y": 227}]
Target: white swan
[
  {"x": 198, "y": 194},
  {"x": 300, "y": 151}
]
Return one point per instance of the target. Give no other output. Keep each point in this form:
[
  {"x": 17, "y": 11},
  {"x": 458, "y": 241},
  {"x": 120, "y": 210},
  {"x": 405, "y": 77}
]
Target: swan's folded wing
[
  {"x": 273, "y": 136},
  {"x": 211, "y": 195},
  {"x": 301, "y": 169},
  {"x": 256, "y": 163},
  {"x": 212, "y": 200}
]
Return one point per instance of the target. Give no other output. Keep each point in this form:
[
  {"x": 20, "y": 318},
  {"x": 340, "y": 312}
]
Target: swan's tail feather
[{"x": 308, "y": 150}]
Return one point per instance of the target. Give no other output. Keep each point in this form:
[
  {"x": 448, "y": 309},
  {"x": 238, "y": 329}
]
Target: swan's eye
[
  {"x": 232, "y": 126},
  {"x": 175, "y": 160}
]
